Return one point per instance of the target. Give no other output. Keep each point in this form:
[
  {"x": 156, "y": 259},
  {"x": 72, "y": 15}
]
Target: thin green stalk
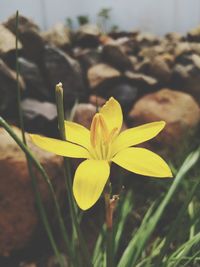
[
  {"x": 33, "y": 178},
  {"x": 68, "y": 178},
  {"x": 21, "y": 122},
  {"x": 37, "y": 164},
  {"x": 191, "y": 212},
  {"x": 109, "y": 225}
]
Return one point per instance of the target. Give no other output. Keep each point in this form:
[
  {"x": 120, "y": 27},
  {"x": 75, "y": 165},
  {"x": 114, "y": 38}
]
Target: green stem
[
  {"x": 33, "y": 178},
  {"x": 37, "y": 164},
  {"x": 109, "y": 225},
  {"x": 68, "y": 179}
]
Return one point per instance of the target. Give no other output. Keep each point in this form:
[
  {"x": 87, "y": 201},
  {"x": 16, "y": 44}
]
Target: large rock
[
  {"x": 101, "y": 72},
  {"x": 160, "y": 70},
  {"x": 35, "y": 84},
  {"x": 19, "y": 218},
  {"x": 114, "y": 55},
  {"x": 59, "y": 35},
  {"x": 60, "y": 67},
  {"x": 8, "y": 90},
  {"x": 179, "y": 111},
  {"x": 7, "y": 41},
  {"x": 40, "y": 117},
  {"x": 194, "y": 34},
  {"x": 29, "y": 35}
]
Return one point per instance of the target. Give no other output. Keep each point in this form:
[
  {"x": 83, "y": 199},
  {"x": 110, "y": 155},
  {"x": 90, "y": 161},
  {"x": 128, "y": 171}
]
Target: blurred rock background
[{"x": 153, "y": 78}]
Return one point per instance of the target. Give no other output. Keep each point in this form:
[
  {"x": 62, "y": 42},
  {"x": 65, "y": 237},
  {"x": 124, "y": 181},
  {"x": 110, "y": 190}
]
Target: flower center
[{"x": 101, "y": 138}]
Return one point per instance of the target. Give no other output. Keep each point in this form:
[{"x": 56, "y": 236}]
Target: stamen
[
  {"x": 104, "y": 128},
  {"x": 112, "y": 134},
  {"x": 93, "y": 130}
]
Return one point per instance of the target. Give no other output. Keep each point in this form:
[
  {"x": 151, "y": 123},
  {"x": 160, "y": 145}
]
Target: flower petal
[
  {"x": 142, "y": 161},
  {"x": 62, "y": 148},
  {"x": 112, "y": 114},
  {"x": 77, "y": 133},
  {"x": 137, "y": 135},
  {"x": 89, "y": 181}
]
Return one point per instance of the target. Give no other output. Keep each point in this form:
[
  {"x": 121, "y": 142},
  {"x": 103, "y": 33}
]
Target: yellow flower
[{"x": 102, "y": 145}]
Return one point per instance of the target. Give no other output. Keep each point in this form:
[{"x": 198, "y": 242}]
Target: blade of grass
[
  {"x": 175, "y": 225},
  {"x": 137, "y": 244},
  {"x": 124, "y": 208},
  {"x": 175, "y": 259}
]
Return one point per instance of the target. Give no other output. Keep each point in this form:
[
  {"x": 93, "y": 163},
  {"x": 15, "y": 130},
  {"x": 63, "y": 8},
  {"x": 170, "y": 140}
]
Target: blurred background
[
  {"x": 144, "y": 53},
  {"x": 155, "y": 16}
]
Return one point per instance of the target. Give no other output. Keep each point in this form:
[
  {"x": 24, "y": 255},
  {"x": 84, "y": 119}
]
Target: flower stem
[
  {"x": 38, "y": 198},
  {"x": 109, "y": 226},
  {"x": 68, "y": 179}
]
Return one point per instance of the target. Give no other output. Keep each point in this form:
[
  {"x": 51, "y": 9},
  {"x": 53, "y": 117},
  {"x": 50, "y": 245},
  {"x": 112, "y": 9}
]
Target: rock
[
  {"x": 19, "y": 220},
  {"x": 97, "y": 100},
  {"x": 8, "y": 90},
  {"x": 145, "y": 39},
  {"x": 84, "y": 113},
  {"x": 124, "y": 92},
  {"x": 180, "y": 112},
  {"x": 59, "y": 36},
  {"x": 60, "y": 67},
  {"x": 100, "y": 73},
  {"x": 139, "y": 77},
  {"x": 194, "y": 35},
  {"x": 7, "y": 41},
  {"x": 174, "y": 37},
  {"x": 151, "y": 52},
  {"x": 88, "y": 36},
  {"x": 88, "y": 58},
  {"x": 186, "y": 48},
  {"x": 35, "y": 84},
  {"x": 29, "y": 35},
  {"x": 187, "y": 78},
  {"x": 40, "y": 117},
  {"x": 113, "y": 55},
  {"x": 160, "y": 70}
]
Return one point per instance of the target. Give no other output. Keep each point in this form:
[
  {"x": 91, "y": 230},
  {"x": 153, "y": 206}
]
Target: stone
[
  {"x": 7, "y": 41},
  {"x": 180, "y": 112},
  {"x": 59, "y": 35},
  {"x": 40, "y": 117},
  {"x": 35, "y": 84},
  {"x": 87, "y": 36},
  {"x": 139, "y": 77},
  {"x": 160, "y": 70},
  {"x": 19, "y": 220},
  {"x": 97, "y": 100},
  {"x": 194, "y": 35},
  {"x": 60, "y": 67},
  {"x": 187, "y": 78},
  {"x": 29, "y": 35},
  {"x": 151, "y": 52},
  {"x": 114, "y": 55},
  {"x": 88, "y": 58},
  {"x": 8, "y": 90},
  {"x": 186, "y": 48},
  {"x": 146, "y": 39},
  {"x": 84, "y": 113},
  {"x": 125, "y": 92},
  {"x": 101, "y": 72}
]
